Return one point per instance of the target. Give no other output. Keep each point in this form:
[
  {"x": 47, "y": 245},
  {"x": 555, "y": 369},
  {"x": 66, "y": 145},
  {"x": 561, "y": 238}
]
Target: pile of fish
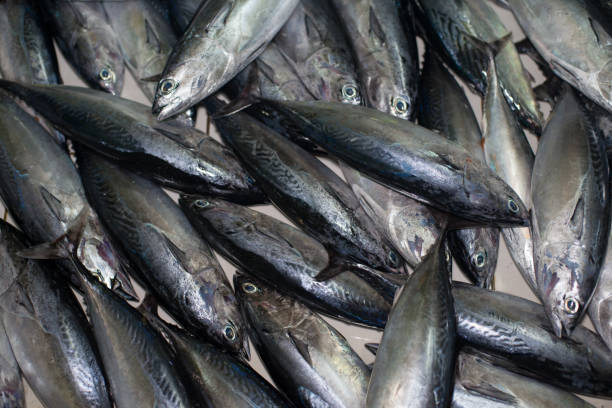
[{"x": 83, "y": 173}]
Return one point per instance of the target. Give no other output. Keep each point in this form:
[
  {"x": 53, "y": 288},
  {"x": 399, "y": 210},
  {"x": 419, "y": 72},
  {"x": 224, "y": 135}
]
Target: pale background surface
[{"x": 507, "y": 279}]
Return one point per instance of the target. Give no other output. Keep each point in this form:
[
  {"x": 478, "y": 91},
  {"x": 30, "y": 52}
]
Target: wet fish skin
[
  {"x": 179, "y": 158},
  {"x": 449, "y": 26},
  {"x": 600, "y": 308},
  {"x": 313, "y": 43},
  {"x": 140, "y": 368},
  {"x": 571, "y": 209},
  {"x": 572, "y": 43},
  {"x": 43, "y": 192},
  {"x": 386, "y": 54},
  {"x": 47, "y": 331},
  {"x": 171, "y": 259},
  {"x": 309, "y": 359},
  {"x": 509, "y": 155},
  {"x": 407, "y": 157},
  {"x": 182, "y": 11},
  {"x": 222, "y": 39},
  {"x": 11, "y": 386},
  {"x": 444, "y": 108},
  {"x": 518, "y": 336},
  {"x": 88, "y": 42},
  {"x": 415, "y": 362},
  {"x": 308, "y": 192},
  {"x": 285, "y": 258}
]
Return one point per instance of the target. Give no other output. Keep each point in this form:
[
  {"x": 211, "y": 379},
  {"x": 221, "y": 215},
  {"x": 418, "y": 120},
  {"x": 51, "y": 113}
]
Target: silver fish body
[
  {"x": 415, "y": 362},
  {"x": 408, "y": 158},
  {"x": 571, "y": 209},
  {"x": 386, "y": 54},
  {"x": 575, "y": 45},
  {"x": 11, "y": 386},
  {"x": 509, "y": 155},
  {"x": 309, "y": 359},
  {"x": 88, "y": 42},
  {"x": 47, "y": 331},
  {"x": 285, "y": 258},
  {"x": 222, "y": 39},
  {"x": 182, "y": 11},
  {"x": 451, "y": 23},
  {"x": 41, "y": 188},
  {"x": 172, "y": 260},
  {"x": 600, "y": 308}
]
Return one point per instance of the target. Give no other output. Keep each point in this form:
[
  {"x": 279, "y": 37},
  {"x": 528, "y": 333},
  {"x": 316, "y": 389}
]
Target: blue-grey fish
[
  {"x": 181, "y": 12},
  {"x": 308, "y": 359},
  {"x": 47, "y": 331},
  {"x": 11, "y": 386},
  {"x": 88, "y": 42},
  {"x": 222, "y": 39},
  {"x": 600, "y": 308}
]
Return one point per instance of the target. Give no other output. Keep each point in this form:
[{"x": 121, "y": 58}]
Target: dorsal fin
[
  {"x": 178, "y": 253},
  {"x": 220, "y": 19},
  {"x": 80, "y": 18},
  {"x": 152, "y": 38},
  {"x": 376, "y": 30},
  {"x": 300, "y": 346}
]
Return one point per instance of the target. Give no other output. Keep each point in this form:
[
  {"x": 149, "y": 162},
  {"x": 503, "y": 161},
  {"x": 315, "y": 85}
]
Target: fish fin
[
  {"x": 178, "y": 253},
  {"x": 301, "y": 346},
  {"x": 372, "y": 347},
  {"x": 148, "y": 305},
  {"x": 81, "y": 20},
  {"x": 152, "y": 78},
  {"x": 602, "y": 36},
  {"x": 16, "y": 301},
  {"x": 172, "y": 133},
  {"x": 54, "y": 204},
  {"x": 491, "y": 392},
  {"x": 576, "y": 221},
  {"x": 312, "y": 31},
  {"x": 65, "y": 245},
  {"x": 237, "y": 105},
  {"x": 376, "y": 30},
  {"x": 152, "y": 38},
  {"x": 330, "y": 272},
  {"x": 220, "y": 19}
]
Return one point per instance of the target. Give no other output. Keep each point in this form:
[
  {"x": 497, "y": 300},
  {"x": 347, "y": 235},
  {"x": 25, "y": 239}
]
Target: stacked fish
[{"x": 84, "y": 175}]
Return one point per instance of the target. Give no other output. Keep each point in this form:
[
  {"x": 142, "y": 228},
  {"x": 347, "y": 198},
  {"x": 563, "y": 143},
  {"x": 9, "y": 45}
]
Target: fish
[
  {"x": 47, "y": 331},
  {"x": 88, "y": 42},
  {"x": 444, "y": 108},
  {"x": 146, "y": 37},
  {"x": 409, "y": 158},
  {"x": 509, "y": 155},
  {"x": 457, "y": 30},
  {"x": 212, "y": 375},
  {"x": 316, "y": 48},
  {"x": 140, "y": 367},
  {"x": 571, "y": 209},
  {"x": 307, "y": 358},
  {"x": 42, "y": 189},
  {"x": 415, "y": 362},
  {"x": 168, "y": 254},
  {"x": 307, "y": 192},
  {"x": 573, "y": 43},
  {"x": 179, "y": 158},
  {"x": 386, "y": 55},
  {"x": 11, "y": 385},
  {"x": 516, "y": 335},
  {"x": 410, "y": 226},
  {"x": 285, "y": 258},
  {"x": 600, "y": 307},
  {"x": 222, "y": 39},
  {"x": 181, "y": 13}
]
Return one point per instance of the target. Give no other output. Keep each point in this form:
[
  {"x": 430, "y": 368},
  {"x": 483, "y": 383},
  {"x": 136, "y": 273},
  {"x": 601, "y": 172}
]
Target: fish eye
[
  {"x": 479, "y": 259},
  {"x": 400, "y": 105},
  {"x": 349, "y": 92},
  {"x": 571, "y": 305},
  {"x": 394, "y": 260},
  {"x": 168, "y": 86},
  {"x": 106, "y": 74},
  {"x": 229, "y": 332},
  {"x": 248, "y": 287},
  {"x": 202, "y": 203},
  {"x": 513, "y": 206}
]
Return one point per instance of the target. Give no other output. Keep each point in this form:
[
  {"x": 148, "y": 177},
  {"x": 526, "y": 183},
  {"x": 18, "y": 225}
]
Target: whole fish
[
  {"x": 222, "y": 39},
  {"x": 509, "y": 155},
  {"x": 47, "y": 331},
  {"x": 172, "y": 260},
  {"x": 443, "y": 107},
  {"x": 573, "y": 43},
  {"x": 600, "y": 308},
  {"x": 313, "y": 43},
  {"x": 183, "y": 159},
  {"x": 181, "y": 12},
  {"x": 307, "y": 192},
  {"x": 140, "y": 368},
  {"x": 11, "y": 386},
  {"x": 414, "y": 365},
  {"x": 88, "y": 42},
  {"x": 517, "y": 335},
  {"x": 407, "y": 157},
  {"x": 571, "y": 209},
  {"x": 43, "y": 192},
  {"x": 386, "y": 55},
  {"x": 309, "y": 359},
  {"x": 409, "y": 225},
  {"x": 457, "y": 28},
  {"x": 285, "y": 258},
  {"x": 212, "y": 375}
]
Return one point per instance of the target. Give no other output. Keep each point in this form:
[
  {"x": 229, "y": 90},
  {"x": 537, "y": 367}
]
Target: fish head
[
  {"x": 229, "y": 330},
  {"x": 507, "y": 205},
  {"x": 105, "y": 67},
  {"x": 483, "y": 255},
  {"x": 179, "y": 89}
]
